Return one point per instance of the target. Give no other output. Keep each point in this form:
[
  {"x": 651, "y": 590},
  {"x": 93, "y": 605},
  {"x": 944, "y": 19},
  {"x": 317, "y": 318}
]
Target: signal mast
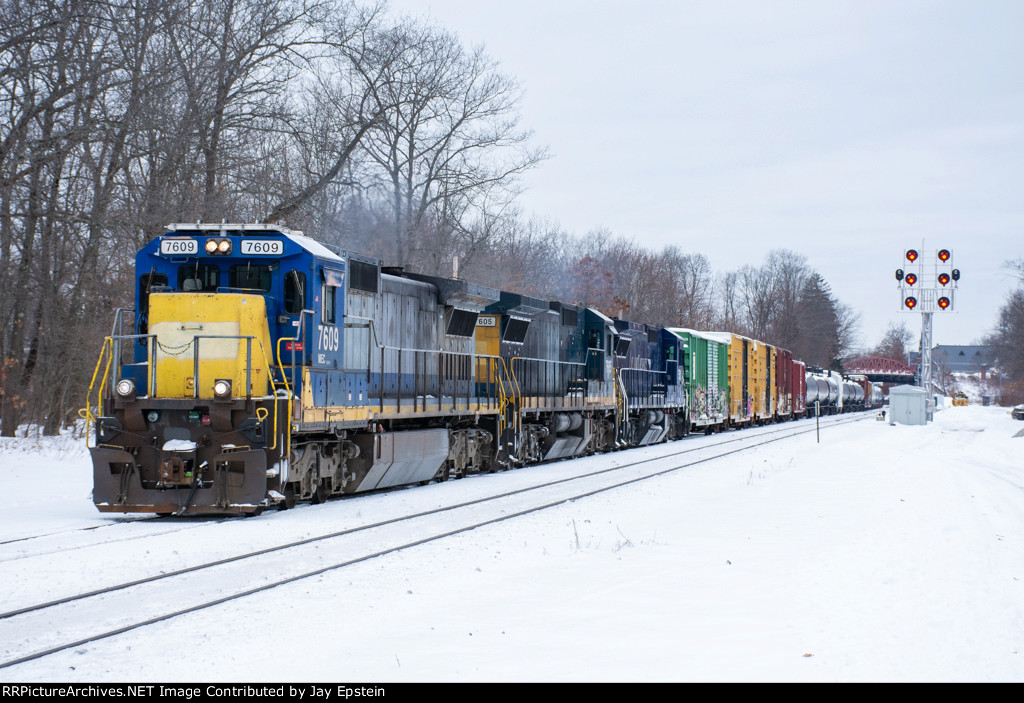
[{"x": 927, "y": 284}]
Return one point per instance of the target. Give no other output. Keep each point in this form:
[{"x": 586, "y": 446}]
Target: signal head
[
  {"x": 910, "y": 302},
  {"x": 911, "y": 255},
  {"x": 956, "y": 274},
  {"x": 943, "y": 302},
  {"x": 911, "y": 279},
  {"x": 943, "y": 254},
  {"x": 899, "y": 274},
  {"x": 944, "y": 279}
]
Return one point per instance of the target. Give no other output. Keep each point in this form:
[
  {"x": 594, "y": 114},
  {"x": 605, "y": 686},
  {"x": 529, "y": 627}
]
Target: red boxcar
[
  {"x": 799, "y": 386},
  {"x": 783, "y": 384}
]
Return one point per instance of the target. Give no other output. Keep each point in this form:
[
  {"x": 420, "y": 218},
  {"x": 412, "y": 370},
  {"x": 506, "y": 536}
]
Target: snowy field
[{"x": 884, "y": 553}]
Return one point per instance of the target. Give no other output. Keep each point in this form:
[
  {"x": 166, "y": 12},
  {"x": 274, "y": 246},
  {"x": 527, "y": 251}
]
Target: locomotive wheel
[
  {"x": 320, "y": 494},
  {"x": 289, "y": 498}
]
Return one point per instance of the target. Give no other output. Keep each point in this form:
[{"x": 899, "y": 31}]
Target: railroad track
[{"x": 42, "y": 628}]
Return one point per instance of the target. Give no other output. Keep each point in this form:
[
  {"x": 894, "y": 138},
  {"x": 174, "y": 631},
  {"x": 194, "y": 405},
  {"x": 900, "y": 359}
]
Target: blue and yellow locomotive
[{"x": 260, "y": 367}]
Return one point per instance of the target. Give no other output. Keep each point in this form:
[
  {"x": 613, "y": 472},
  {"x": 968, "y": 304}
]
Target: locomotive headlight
[
  {"x": 218, "y": 246},
  {"x": 126, "y": 388},
  {"x": 222, "y": 388},
  {"x": 152, "y": 416}
]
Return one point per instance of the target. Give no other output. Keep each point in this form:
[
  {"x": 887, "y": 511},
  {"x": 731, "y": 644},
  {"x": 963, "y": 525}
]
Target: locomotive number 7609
[{"x": 328, "y": 338}]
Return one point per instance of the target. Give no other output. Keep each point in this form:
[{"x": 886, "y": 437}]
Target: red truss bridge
[{"x": 881, "y": 369}]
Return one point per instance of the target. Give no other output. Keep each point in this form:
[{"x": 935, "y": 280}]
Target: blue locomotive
[{"x": 260, "y": 367}]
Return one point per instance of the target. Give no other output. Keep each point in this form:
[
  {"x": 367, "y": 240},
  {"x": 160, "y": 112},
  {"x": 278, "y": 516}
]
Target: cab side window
[
  {"x": 332, "y": 281},
  {"x": 328, "y": 311},
  {"x": 294, "y": 292}
]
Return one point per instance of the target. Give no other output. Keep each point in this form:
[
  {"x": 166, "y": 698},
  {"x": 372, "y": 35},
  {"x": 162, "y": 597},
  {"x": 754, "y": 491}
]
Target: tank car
[
  {"x": 853, "y": 395},
  {"x": 824, "y": 391}
]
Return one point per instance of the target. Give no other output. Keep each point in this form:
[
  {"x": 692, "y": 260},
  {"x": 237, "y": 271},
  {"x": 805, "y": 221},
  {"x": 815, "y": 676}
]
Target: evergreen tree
[{"x": 818, "y": 340}]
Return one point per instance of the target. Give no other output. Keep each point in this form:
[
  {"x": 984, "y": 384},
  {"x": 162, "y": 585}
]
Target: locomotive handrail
[
  {"x": 420, "y": 358},
  {"x": 248, "y": 377},
  {"x": 468, "y": 360},
  {"x": 115, "y": 330},
  {"x": 299, "y": 337},
  {"x": 652, "y": 372},
  {"x": 86, "y": 412},
  {"x": 580, "y": 366},
  {"x": 150, "y": 349},
  {"x": 111, "y": 349},
  {"x": 471, "y": 361},
  {"x": 248, "y": 361},
  {"x": 622, "y": 405}
]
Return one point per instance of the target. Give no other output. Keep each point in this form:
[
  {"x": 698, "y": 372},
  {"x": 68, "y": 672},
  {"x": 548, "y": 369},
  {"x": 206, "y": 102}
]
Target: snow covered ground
[{"x": 884, "y": 553}]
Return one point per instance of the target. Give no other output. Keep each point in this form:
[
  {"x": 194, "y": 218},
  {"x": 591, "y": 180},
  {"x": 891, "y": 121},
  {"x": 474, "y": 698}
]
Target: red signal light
[
  {"x": 943, "y": 302},
  {"x": 910, "y": 302},
  {"x": 944, "y": 279},
  {"x": 911, "y": 279},
  {"x": 943, "y": 254},
  {"x": 911, "y": 254}
]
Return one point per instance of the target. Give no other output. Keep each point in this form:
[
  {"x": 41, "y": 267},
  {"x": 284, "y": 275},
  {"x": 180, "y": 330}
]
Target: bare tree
[
  {"x": 1007, "y": 340},
  {"x": 788, "y": 271},
  {"x": 757, "y": 291},
  {"x": 727, "y": 317},
  {"x": 694, "y": 283},
  {"x": 895, "y": 342},
  {"x": 847, "y": 332},
  {"x": 56, "y": 58},
  {"x": 448, "y": 140}
]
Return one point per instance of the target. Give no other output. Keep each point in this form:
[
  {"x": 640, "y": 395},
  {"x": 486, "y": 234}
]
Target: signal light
[
  {"x": 943, "y": 254},
  {"x": 911, "y": 279},
  {"x": 956, "y": 274},
  {"x": 943, "y": 302},
  {"x": 910, "y": 302},
  {"x": 899, "y": 274},
  {"x": 944, "y": 279},
  {"x": 911, "y": 254}
]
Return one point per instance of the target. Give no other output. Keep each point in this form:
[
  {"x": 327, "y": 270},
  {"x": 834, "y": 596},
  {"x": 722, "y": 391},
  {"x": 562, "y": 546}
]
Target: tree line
[
  {"x": 383, "y": 135},
  {"x": 1007, "y": 340}
]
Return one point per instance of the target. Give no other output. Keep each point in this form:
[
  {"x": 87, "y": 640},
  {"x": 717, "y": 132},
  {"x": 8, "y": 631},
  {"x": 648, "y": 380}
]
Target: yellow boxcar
[
  {"x": 752, "y": 381},
  {"x": 766, "y": 391},
  {"x": 740, "y": 403},
  {"x": 757, "y": 386}
]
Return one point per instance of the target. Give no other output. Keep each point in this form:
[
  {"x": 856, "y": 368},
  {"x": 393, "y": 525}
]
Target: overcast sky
[{"x": 844, "y": 131}]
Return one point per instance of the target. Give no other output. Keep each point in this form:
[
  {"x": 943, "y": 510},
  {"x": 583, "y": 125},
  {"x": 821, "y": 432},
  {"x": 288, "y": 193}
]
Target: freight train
[{"x": 260, "y": 367}]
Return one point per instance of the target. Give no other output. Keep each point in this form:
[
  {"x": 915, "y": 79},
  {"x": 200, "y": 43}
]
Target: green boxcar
[{"x": 706, "y": 373}]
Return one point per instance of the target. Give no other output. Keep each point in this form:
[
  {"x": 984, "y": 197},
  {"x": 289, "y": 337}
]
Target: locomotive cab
[{"x": 197, "y": 420}]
